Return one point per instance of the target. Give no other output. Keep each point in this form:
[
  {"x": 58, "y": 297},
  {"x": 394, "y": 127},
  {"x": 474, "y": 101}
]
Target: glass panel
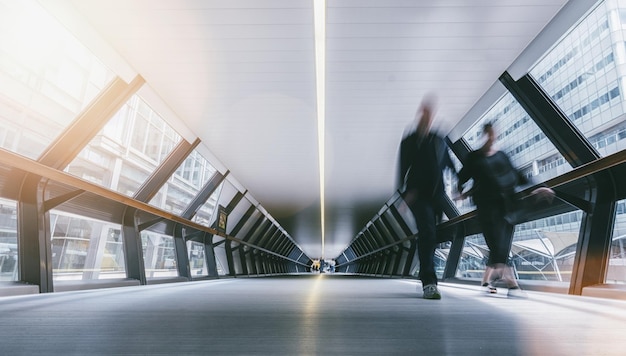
[
  {"x": 441, "y": 257},
  {"x": 616, "y": 273},
  {"x": 85, "y": 249},
  {"x": 127, "y": 150},
  {"x": 185, "y": 183},
  {"x": 8, "y": 240},
  {"x": 206, "y": 214},
  {"x": 584, "y": 74},
  {"x": 521, "y": 139},
  {"x": 159, "y": 256},
  {"x": 46, "y": 77},
  {"x": 197, "y": 260},
  {"x": 544, "y": 249},
  {"x": 473, "y": 258},
  {"x": 220, "y": 255}
]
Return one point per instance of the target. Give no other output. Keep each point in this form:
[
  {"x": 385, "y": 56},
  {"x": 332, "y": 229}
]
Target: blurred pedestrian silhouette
[
  {"x": 495, "y": 181},
  {"x": 423, "y": 156}
]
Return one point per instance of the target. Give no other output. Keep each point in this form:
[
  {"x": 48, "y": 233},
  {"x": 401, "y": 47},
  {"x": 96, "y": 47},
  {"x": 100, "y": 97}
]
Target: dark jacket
[
  {"x": 495, "y": 178},
  {"x": 422, "y": 161}
]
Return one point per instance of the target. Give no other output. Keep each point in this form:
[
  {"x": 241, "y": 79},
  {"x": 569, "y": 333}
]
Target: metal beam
[
  {"x": 89, "y": 122},
  {"x": 56, "y": 201},
  {"x": 203, "y": 195},
  {"x": 593, "y": 248},
  {"x": 552, "y": 121},
  {"x": 165, "y": 170}
]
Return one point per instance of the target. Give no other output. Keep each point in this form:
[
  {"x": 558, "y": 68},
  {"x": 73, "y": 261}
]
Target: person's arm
[
  {"x": 471, "y": 171},
  {"x": 540, "y": 193}
]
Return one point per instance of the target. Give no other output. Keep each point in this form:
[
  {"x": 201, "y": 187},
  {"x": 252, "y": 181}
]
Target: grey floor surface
[{"x": 307, "y": 315}]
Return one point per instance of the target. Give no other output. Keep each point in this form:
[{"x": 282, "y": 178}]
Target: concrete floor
[{"x": 308, "y": 315}]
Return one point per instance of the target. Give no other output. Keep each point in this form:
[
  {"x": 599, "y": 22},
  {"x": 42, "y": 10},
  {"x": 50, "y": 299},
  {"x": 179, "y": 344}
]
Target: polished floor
[{"x": 308, "y": 315}]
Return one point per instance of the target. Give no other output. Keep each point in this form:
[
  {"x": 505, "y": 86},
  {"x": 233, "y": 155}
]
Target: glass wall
[
  {"x": 441, "y": 258},
  {"x": 584, "y": 73},
  {"x": 8, "y": 240},
  {"x": 159, "y": 255},
  {"x": 221, "y": 260},
  {"x": 545, "y": 249},
  {"x": 184, "y": 185},
  {"x": 521, "y": 139},
  {"x": 46, "y": 77},
  {"x": 85, "y": 249},
  {"x": 474, "y": 257},
  {"x": 127, "y": 150},
  {"x": 542, "y": 249},
  {"x": 197, "y": 260},
  {"x": 206, "y": 214}
]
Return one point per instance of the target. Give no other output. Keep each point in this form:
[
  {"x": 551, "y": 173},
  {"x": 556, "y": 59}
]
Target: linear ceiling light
[{"x": 319, "y": 13}]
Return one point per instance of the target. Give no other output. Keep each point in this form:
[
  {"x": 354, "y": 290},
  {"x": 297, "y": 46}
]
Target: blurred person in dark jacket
[
  {"x": 423, "y": 157},
  {"x": 495, "y": 181}
]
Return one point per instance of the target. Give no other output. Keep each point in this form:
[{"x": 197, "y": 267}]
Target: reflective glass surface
[
  {"x": 584, "y": 74},
  {"x": 159, "y": 256},
  {"x": 197, "y": 261},
  {"x": 84, "y": 248},
  {"x": 521, "y": 139},
  {"x": 474, "y": 257},
  {"x": 441, "y": 257},
  {"x": 184, "y": 185},
  {"x": 545, "y": 249},
  {"x": 127, "y": 150},
  {"x": 206, "y": 214},
  {"x": 46, "y": 77},
  {"x": 220, "y": 258}
]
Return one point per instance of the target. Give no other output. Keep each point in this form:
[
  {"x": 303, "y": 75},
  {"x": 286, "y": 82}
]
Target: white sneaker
[{"x": 431, "y": 292}]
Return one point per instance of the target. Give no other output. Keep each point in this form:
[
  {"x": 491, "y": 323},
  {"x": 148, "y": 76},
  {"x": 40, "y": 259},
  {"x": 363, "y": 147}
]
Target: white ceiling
[{"x": 240, "y": 74}]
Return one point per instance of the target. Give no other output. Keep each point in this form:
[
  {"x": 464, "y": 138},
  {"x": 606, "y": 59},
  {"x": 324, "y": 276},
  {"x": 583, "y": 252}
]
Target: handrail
[
  {"x": 28, "y": 165},
  {"x": 577, "y": 173}
]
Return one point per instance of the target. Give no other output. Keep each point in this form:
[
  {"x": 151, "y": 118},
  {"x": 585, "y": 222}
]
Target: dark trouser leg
[
  {"x": 502, "y": 242},
  {"x": 497, "y": 232},
  {"x": 426, "y": 242}
]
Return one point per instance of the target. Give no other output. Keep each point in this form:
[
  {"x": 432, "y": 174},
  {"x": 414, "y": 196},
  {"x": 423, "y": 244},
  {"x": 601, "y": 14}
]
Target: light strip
[{"x": 319, "y": 13}]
